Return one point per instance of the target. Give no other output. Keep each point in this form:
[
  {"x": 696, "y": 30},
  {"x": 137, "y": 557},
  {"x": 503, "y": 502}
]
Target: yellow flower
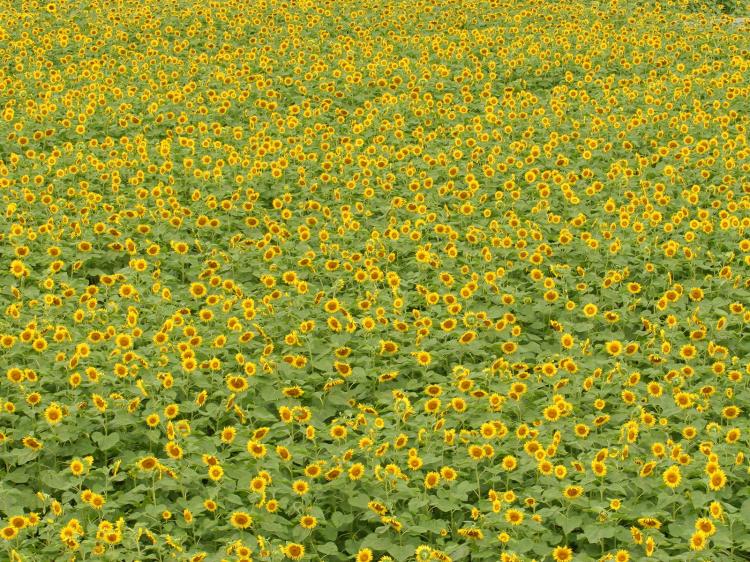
[
  {"x": 514, "y": 516},
  {"x": 294, "y": 551},
  {"x": 614, "y": 347},
  {"x": 77, "y": 467},
  {"x": 215, "y": 472},
  {"x": 240, "y": 520},
  {"x": 431, "y": 480},
  {"x": 423, "y": 358},
  {"x": 9, "y": 533},
  {"x": 672, "y": 476},
  {"x": 356, "y": 471},
  {"x": 308, "y": 522},
  {"x": 300, "y": 487},
  {"x": 698, "y": 541},
  {"x": 364, "y": 555},
  {"x": 572, "y": 492},
  {"x": 717, "y": 480},
  {"x": 562, "y": 554},
  {"x": 53, "y": 414}
]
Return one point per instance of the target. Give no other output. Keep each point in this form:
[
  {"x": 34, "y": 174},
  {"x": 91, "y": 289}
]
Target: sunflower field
[{"x": 384, "y": 280}]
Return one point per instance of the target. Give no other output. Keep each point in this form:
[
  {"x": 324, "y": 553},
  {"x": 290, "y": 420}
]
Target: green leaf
[
  {"x": 745, "y": 510},
  {"x": 17, "y": 477},
  {"x": 328, "y": 548},
  {"x": 444, "y": 504},
  {"x": 376, "y": 542},
  {"x": 340, "y": 520},
  {"x": 55, "y": 480},
  {"x": 359, "y": 500},
  {"x": 596, "y": 532},
  {"x": 699, "y": 499},
  {"x": 567, "y": 524},
  {"x": 402, "y": 552},
  {"x": 106, "y": 442},
  {"x": 461, "y": 551}
]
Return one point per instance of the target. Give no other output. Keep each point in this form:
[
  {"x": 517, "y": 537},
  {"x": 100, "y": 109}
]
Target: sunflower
[
  {"x": 148, "y": 463},
  {"x": 551, "y": 413},
  {"x": 377, "y": 508},
  {"x": 698, "y": 540},
  {"x": 256, "y": 449},
  {"x": 236, "y": 383},
  {"x": 432, "y": 405},
  {"x": 471, "y": 533},
  {"x": 717, "y": 480},
  {"x": 39, "y": 344},
  {"x": 448, "y": 473},
  {"x": 684, "y": 400},
  {"x": 649, "y": 523},
  {"x": 388, "y": 347},
  {"x": 338, "y": 432},
  {"x": 293, "y": 551},
  {"x": 514, "y": 516},
  {"x": 581, "y": 430},
  {"x": 448, "y": 324},
  {"x": 215, "y": 472},
  {"x": 364, "y": 555},
  {"x": 467, "y": 337},
  {"x": 32, "y": 443},
  {"x": 431, "y": 480},
  {"x": 599, "y": 469},
  {"x": 672, "y": 476},
  {"x": 476, "y": 452},
  {"x": 152, "y": 420},
  {"x": 688, "y": 352},
  {"x": 308, "y": 522},
  {"x": 509, "y": 347},
  {"x": 356, "y": 471},
  {"x": 240, "y": 520},
  {"x": 197, "y": 290},
  {"x": 300, "y": 487},
  {"x": 228, "y": 434},
  {"x": 706, "y": 526},
  {"x": 173, "y": 450},
  {"x": 613, "y": 347},
  {"x": 572, "y": 492},
  {"x": 562, "y": 554},
  {"x": 53, "y": 414},
  {"x": 423, "y": 358},
  {"x": 716, "y": 510},
  {"x": 509, "y": 463},
  {"x": 731, "y": 412},
  {"x": 9, "y": 533},
  {"x": 77, "y": 467}
]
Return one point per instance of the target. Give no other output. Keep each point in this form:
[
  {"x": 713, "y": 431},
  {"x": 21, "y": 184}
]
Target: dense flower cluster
[{"x": 373, "y": 280}]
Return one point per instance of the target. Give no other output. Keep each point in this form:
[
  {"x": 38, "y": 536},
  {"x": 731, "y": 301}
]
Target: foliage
[{"x": 373, "y": 280}]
